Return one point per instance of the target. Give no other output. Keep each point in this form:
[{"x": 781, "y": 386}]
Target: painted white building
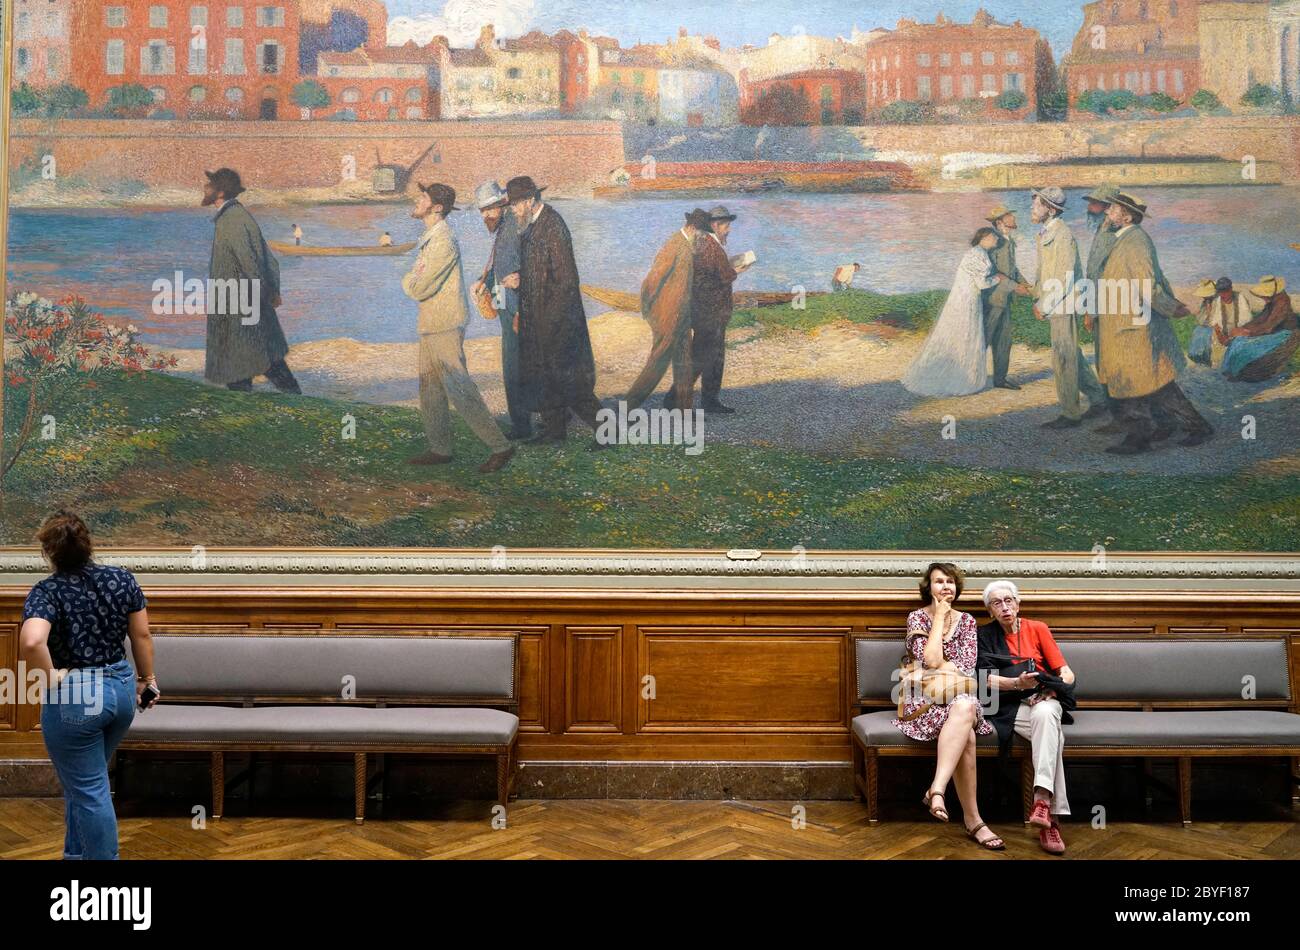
[{"x": 698, "y": 97}]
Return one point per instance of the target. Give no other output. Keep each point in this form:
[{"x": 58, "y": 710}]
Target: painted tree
[
  {"x": 55, "y": 348},
  {"x": 309, "y": 94},
  {"x": 783, "y": 104},
  {"x": 129, "y": 99}
]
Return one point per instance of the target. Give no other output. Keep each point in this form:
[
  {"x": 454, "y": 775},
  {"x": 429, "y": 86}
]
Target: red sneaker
[
  {"x": 1039, "y": 817},
  {"x": 1050, "y": 840}
]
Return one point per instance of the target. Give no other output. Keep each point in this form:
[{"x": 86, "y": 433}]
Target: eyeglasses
[{"x": 1004, "y": 602}]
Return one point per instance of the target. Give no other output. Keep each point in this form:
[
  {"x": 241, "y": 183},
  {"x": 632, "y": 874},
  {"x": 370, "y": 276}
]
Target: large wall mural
[{"x": 541, "y": 274}]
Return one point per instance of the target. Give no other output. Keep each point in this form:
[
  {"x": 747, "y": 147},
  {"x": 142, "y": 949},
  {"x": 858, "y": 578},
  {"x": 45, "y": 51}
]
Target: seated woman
[
  {"x": 1262, "y": 348},
  {"x": 1035, "y": 717},
  {"x": 938, "y": 635}
]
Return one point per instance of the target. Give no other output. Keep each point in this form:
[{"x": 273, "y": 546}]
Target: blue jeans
[{"x": 83, "y": 720}]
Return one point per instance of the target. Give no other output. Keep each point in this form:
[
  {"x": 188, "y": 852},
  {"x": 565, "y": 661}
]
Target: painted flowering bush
[{"x": 52, "y": 348}]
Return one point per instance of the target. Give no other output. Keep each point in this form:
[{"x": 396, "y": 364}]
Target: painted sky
[{"x": 734, "y": 22}]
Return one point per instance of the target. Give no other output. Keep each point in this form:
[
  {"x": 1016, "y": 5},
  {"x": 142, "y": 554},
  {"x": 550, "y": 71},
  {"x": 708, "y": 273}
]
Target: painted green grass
[
  {"x": 915, "y": 311},
  {"x": 160, "y": 460}
]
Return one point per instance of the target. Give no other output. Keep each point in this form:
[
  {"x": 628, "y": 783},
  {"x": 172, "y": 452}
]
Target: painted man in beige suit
[
  {"x": 437, "y": 282},
  {"x": 1059, "y": 269}
]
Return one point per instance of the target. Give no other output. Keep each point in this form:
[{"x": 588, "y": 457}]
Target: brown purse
[
  {"x": 486, "y": 304},
  {"x": 940, "y": 686}
]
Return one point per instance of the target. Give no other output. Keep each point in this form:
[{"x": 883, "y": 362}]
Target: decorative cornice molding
[{"x": 506, "y": 563}]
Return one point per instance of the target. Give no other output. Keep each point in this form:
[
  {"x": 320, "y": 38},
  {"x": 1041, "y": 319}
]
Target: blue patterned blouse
[{"x": 87, "y": 611}]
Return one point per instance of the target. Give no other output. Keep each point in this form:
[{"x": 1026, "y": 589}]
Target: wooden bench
[
  {"x": 1160, "y": 696},
  {"x": 402, "y": 692}
]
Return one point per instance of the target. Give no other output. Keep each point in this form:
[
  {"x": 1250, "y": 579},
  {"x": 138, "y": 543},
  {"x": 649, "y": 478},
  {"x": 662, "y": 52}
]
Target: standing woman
[
  {"x": 75, "y": 623},
  {"x": 939, "y": 636}
]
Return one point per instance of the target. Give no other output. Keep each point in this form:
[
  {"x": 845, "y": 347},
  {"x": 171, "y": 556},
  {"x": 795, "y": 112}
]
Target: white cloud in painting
[{"x": 461, "y": 21}]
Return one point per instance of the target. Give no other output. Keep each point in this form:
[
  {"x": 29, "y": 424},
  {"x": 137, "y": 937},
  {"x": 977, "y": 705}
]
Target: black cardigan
[{"x": 993, "y": 656}]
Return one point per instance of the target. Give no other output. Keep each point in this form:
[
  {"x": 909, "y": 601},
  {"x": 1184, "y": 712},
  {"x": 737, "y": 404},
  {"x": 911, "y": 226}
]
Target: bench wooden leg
[
  {"x": 1027, "y": 786},
  {"x": 1185, "y": 789},
  {"x": 859, "y": 766},
  {"x": 1295, "y": 782},
  {"x": 503, "y": 778},
  {"x": 218, "y": 783},
  {"x": 359, "y": 768},
  {"x": 873, "y": 774}
]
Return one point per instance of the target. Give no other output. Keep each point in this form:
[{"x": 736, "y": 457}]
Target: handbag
[
  {"x": 938, "y": 686},
  {"x": 485, "y": 302}
]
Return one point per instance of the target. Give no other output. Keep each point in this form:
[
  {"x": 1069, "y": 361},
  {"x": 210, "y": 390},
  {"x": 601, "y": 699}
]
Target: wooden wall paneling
[
  {"x": 534, "y": 684},
  {"x": 9, "y": 665},
  {"x": 594, "y": 679},
  {"x": 752, "y": 679}
]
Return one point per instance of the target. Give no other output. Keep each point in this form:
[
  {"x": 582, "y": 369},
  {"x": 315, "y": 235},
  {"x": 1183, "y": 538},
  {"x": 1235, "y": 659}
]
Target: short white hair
[{"x": 1001, "y": 585}]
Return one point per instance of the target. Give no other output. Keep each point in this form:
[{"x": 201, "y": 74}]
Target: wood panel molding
[{"x": 757, "y": 676}]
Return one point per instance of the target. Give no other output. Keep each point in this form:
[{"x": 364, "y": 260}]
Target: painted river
[{"x": 905, "y": 242}]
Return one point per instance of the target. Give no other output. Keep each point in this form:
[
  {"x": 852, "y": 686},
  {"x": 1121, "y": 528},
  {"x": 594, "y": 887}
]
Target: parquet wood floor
[{"x": 33, "y": 828}]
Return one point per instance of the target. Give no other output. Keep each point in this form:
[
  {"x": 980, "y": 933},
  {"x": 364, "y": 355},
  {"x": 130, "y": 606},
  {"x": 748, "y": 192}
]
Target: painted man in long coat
[
  {"x": 1138, "y": 355},
  {"x": 505, "y": 260},
  {"x": 555, "y": 359},
  {"x": 666, "y": 295},
  {"x": 241, "y": 345}
]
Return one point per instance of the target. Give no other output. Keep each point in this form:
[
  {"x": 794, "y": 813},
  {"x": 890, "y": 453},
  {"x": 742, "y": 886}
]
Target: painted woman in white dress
[{"x": 954, "y": 360}]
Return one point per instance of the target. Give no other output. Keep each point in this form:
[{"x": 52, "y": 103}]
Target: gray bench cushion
[
  {"x": 324, "y": 724},
  {"x": 1103, "y": 727},
  {"x": 1147, "y": 670},
  {"x": 877, "y": 729},
  {"x": 1208, "y": 670},
  {"x": 243, "y": 665}
]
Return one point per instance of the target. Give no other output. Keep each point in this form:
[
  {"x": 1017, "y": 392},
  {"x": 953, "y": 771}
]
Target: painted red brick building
[
  {"x": 384, "y": 83},
  {"x": 826, "y": 96},
  {"x": 1143, "y": 46},
  {"x": 576, "y": 72},
  {"x": 200, "y": 60},
  {"x": 946, "y": 62}
]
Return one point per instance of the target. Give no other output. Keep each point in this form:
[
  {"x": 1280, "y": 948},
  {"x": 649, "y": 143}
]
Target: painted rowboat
[{"x": 303, "y": 250}]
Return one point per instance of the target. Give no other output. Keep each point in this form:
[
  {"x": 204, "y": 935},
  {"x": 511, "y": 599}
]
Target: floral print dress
[{"x": 961, "y": 651}]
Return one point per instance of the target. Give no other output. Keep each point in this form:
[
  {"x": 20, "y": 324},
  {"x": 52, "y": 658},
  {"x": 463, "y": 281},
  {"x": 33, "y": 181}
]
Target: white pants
[
  {"x": 1041, "y": 725},
  {"x": 444, "y": 380}
]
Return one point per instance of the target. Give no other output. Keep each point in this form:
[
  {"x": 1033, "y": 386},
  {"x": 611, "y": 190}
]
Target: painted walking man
[
  {"x": 241, "y": 346},
  {"x": 437, "y": 283}
]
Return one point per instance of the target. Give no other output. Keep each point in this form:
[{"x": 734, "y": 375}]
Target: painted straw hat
[{"x": 1269, "y": 286}]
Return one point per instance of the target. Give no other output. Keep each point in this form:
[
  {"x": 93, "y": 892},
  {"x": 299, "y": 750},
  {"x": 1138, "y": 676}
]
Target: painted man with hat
[
  {"x": 437, "y": 283},
  {"x": 1222, "y": 311},
  {"x": 1138, "y": 355},
  {"x": 505, "y": 260},
  {"x": 242, "y": 346},
  {"x": 1262, "y": 348},
  {"x": 711, "y": 310},
  {"x": 666, "y": 304},
  {"x": 556, "y": 364},
  {"x": 997, "y": 301},
  {"x": 1103, "y": 239},
  {"x": 1058, "y": 271}
]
